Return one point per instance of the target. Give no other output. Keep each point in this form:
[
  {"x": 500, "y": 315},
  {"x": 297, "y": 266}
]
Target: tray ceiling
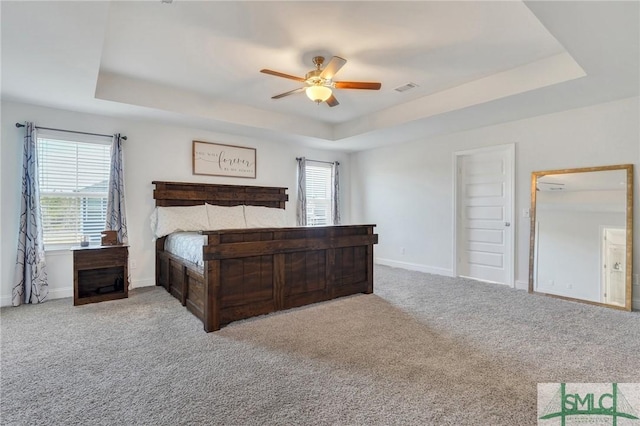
[{"x": 197, "y": 63}]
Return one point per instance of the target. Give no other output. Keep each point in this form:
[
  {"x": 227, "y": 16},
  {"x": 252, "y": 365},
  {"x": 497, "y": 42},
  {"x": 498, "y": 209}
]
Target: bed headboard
[{"x": 190, "y": 194}]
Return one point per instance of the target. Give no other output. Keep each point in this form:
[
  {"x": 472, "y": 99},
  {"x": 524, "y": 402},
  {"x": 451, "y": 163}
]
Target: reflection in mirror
[{"x": 581, "y": 232}]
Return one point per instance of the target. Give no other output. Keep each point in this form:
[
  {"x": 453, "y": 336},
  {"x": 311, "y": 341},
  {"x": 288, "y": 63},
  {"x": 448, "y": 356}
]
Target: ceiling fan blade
[
  {"x": 332, "y": 67},
  {"x": 281, "y": 74},
  {"x": 357, "y": 85},
  {"x": 332, "y": 101},
  {"x": 290, "y": 92}
]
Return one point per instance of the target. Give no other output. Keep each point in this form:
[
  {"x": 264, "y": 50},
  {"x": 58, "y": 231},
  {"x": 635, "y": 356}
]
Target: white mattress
[{"x": 187, "y": 245}]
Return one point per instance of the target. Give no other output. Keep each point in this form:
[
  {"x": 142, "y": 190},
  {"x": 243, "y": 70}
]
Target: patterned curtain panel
[
  {"x": 301, "y": 206},
  {"x": 116, "y": 219},
  {"x": 31, "y": 271},
  {"x": 335, "y": 195}
]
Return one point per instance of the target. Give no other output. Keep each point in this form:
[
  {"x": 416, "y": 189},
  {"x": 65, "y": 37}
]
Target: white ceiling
[{"x": 197, "y": 63}]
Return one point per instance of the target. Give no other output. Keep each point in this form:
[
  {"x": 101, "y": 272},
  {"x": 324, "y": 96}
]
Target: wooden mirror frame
[{"x": 629, "y": 231}]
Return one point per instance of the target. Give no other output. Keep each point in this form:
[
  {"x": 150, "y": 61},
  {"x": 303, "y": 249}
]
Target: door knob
[{"x": 507, "y": 224}]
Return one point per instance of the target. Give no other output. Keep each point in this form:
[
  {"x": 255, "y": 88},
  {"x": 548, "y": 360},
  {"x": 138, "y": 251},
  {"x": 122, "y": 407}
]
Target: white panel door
[
  {"x": 613, "y": 265},
  {"x": 484, "y": 246}
]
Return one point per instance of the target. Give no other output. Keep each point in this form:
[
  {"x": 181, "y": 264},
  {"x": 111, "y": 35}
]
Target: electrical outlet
[
  {"x": 402, "y": 250},
  {"x": 569, "y": 286},
  {"x": 636, "y": 279},
  {"x": 526, "y": 213},
  {"x": 133, "y": 264}
]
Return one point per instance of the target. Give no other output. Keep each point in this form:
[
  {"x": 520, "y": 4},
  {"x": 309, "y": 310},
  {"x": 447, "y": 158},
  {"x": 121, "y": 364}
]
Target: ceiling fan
[{"x": 319, "y": 82}]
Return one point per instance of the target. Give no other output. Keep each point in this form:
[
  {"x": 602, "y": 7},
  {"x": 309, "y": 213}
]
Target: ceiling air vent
[{"x": 405, "y": 87}]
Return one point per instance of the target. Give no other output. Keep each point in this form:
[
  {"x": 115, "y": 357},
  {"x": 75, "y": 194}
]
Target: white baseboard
[
  {"x": 147, "y": 282},
  {"x": 5, "y": 301},
  {"x": 60, "y": 293},
  {"x": 57, "y": 293},
  {"x": 522, "y": 285},
  {"x": 415, "y": 267}
]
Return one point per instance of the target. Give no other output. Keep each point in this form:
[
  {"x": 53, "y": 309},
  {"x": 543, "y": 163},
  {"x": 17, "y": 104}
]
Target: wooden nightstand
[{"x": 100, "y": 273}]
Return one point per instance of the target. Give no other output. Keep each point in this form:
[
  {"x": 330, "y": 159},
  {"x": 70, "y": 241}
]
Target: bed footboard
[{"x": 254, "y": 272}]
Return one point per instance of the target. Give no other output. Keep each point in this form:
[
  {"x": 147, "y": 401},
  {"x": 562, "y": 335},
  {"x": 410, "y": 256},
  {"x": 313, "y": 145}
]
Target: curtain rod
[
  {"x": 318, "y": 161},
  {"x": 73, "y": 131}
]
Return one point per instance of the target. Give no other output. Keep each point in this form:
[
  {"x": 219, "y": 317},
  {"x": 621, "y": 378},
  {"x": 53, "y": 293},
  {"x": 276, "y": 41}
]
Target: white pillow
[
  {"x": 264, "y": 217},
  {"x": 223, "y": 217},
  {"x": 165, "y": 220}
]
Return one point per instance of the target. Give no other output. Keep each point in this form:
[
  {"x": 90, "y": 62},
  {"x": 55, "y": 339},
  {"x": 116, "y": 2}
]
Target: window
[
  {"x": 74, "y": 179},
  {"x": 319, "y": 189}
]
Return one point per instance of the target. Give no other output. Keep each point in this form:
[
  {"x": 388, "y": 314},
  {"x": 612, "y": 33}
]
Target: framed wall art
[{"x": 216, "y": 159}]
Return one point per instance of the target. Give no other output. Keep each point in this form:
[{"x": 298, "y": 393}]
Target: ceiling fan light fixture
[
  {"x": 319, "y": 83},
  {"x": 318, "y": 93}
]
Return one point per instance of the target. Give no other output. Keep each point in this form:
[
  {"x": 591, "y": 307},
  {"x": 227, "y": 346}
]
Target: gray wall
[
  {"x": 153, "y": 151},
  {"x": 408, "y": 189}
]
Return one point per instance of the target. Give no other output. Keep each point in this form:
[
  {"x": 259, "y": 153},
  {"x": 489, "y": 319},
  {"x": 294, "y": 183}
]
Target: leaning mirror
[{"x": 581, "y": 234}]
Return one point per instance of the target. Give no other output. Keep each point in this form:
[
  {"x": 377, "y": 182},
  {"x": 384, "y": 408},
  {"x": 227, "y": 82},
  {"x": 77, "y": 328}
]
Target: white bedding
[
  {"x": 166, "y": 220},
  {"x": 187, "y": 245}
]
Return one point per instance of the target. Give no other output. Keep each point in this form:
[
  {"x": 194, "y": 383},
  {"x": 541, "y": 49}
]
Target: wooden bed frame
[{"x": 250, "y": 272}]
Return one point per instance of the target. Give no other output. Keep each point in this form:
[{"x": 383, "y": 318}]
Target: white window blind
[
  {"x": 319, "y": 189},
  {"x": 74, "y": 179}
]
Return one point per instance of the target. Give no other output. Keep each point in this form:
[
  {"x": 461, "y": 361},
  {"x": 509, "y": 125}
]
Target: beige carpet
[{"x": 423, "y": 349}]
